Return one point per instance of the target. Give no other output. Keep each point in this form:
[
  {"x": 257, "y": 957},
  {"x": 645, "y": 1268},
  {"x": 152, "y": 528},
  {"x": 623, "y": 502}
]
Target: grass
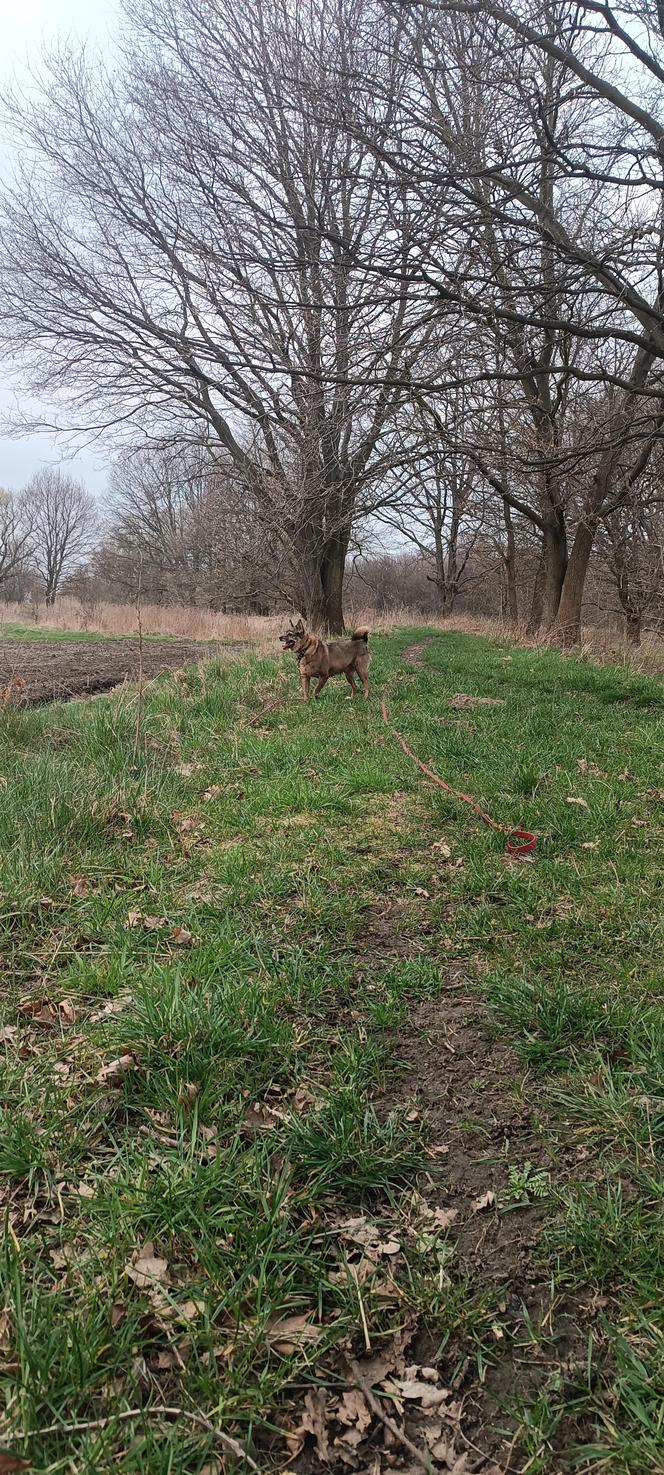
[{"x": 197, "y": 914}]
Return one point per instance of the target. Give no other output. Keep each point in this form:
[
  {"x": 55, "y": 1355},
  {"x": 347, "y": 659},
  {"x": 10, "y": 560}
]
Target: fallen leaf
[
  {"x": 134, "y": 919},
  {"x": 487, "y": 1201},
  {"x": 590, "y": 844},
  {"x": 118, "y": 1314},
  {"x": 79, "y": 885},
  {"x": 314, "y": 1421},
  {"x": 213, "y": 792},
  {"x": 291, "y": 1333},
  {"x": 8, "y": 1034},
  {"x": 67, "y": 1011},
  {"x": 85, "y": 1190},
  {"x": 443, "y": 849},
  {"x": 112, "y": 1073},
  {"x": 413, "y": 1390},
  {"x": 354, "y": 1409},
  {"x": 263, "y": 1118},
  {"x": 420, "y": 891},
  {"x": 182, "y": 937},
  {"x": 146, "y": 1269},
  {"x": 188, "y": 1092},
  {"x": 571, "y": 800},
  {"x": 445, "y": 1217},
  {"x": 10, "y": 1462}
]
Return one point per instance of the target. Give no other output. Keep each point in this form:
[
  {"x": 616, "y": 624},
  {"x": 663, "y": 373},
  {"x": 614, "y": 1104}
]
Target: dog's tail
[{"x": 362, "y": 633}]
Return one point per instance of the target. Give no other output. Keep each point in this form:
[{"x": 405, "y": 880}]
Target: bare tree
[
  {"x": 15, "y": 536},
  {"x": 63, "y": 520},
  {"x": 219, "y": 279}
]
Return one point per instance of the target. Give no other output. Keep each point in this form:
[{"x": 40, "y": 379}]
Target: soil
[
  {"x": 412, "y": 655},
  {"x": 34, "y": 672}
]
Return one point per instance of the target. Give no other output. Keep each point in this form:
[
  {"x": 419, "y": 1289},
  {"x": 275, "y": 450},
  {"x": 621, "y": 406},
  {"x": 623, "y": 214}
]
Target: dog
[{"x": 322, "y": 659}]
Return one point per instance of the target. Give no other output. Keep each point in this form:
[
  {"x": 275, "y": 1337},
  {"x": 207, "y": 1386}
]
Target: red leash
[{"x": 519, "y": 842}]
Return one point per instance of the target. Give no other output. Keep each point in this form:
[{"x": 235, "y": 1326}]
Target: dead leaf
[
  {"x": 134, "y": 919},
  {"x": 112, "y": 1006},
  {"x": 67, "y": 1011},
  {"x": 261, "y": 1118},
  {"x": 572, "y": 800},
  {"x": 487, "y": 1201},
  {"x": 443, "y": 849},
  {"x": 10, "y": 1462},
  {"x": 354, "y": 1409},
  {"x": 8, "y": 1034},
  {"x": 85, "y": 1190},
  {"x": 291, "y": 1333},
  {"x": 188, "y": 1092},
  {"x": 79, "y": 885},
  {"x": 213, "y": 792},
  {"x": 314, "y": 1421},
  {"x": 118, "y": 1314},
  {"x": 415, "y": 1391},
  {"x": 182, "y": 937},
  {"x": 420, "y": 891},
  {"x": 590, "y": 844},
  {"x": 146, "y": 1269},
  {"x": 112, "y": 1073},
  {"x": 445, "y": 1217}
]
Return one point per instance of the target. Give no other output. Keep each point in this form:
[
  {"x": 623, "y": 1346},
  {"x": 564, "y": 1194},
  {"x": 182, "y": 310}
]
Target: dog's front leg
[
  {"x": 305, "y": 684},
  {"x": 322, "y": 681}
]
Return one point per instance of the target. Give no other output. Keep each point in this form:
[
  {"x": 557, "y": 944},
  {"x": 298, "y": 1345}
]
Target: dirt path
[
  {"x": 412, "y": 655},
  {"x": 33, "y": 672}
]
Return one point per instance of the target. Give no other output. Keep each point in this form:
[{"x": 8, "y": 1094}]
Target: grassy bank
[{"x": 224, "y": 932}]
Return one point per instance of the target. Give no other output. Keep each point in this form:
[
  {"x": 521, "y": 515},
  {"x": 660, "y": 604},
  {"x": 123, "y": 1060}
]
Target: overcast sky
[{"x": 26, "y": 26}]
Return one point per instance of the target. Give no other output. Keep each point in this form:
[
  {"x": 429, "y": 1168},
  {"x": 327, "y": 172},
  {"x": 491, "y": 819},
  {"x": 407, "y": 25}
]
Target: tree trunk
[
  {"x": 567, "y": 627},
  {"x": 554, "y": 551},
  {"x": 537, "y": 601},
  {"x": 633, "y": 623},
  {"x": 332, "y": 569},
  {"x": 510, "y": 568}
]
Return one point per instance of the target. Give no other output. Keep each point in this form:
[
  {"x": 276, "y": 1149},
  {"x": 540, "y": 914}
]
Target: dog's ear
[{"x": 300, "y": 626}]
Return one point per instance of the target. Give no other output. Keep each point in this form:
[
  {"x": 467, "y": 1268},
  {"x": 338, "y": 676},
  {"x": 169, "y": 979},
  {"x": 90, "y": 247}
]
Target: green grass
[
  {"x": 197, "y": 908},
  {"x": 12, "y": 630}
]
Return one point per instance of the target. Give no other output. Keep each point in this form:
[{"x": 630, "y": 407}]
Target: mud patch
[{"x": 35, "y": 672}]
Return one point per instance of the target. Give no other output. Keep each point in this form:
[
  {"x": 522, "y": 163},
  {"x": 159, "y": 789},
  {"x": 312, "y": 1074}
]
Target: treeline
[{"x": 340, "y": 265}]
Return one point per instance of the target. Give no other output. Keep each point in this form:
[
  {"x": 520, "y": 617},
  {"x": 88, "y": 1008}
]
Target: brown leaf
[
  {"x": 182, "y": 937},
  {"x": 572, "y": 800},
  {"x": 146, "y": 1269},
  {"x": 67, "y": 1011},
  {"x": 487, "y": 1201},
  {"x": 134, "y": 919},
  {"x": 118, "y": 1314},
  {"x": 188, "y": 1092},
  {"x": 260, "y": 1117},
  {"x": 4, "y": 1330},
  {"x": 416, "y": 1391},
  {"x": 8, "y": 1034},
  {"x": 445, "y": 1217},
  {"x": 10, "y": 1462},
  {"x": 354, "y": 1409},
  {"x": 112, "y": 1073},
  {"x": 443, "y": 849},
  {"x": 213, "y": 792},
  {"x": 79, "y": 885},
  {"x": 291, "y": 1333},
  {"x": 314, "y": 1421}
]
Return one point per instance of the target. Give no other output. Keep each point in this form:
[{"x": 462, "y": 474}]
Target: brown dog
[{"x": 323, "y": 659}]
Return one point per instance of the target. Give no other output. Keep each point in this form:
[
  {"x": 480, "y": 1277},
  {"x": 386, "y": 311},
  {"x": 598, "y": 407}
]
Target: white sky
[{"x": 26, "y": 26}]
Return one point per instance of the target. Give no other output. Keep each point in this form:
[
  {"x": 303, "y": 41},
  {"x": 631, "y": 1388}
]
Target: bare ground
[{"x": 37, "y": 671}]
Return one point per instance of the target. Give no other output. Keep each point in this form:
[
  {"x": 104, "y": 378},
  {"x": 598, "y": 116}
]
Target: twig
[
  {"x": 423, "y": 1459},
  {"x": 139, "y": 616},
  {"x": 155, "y": 1410}
]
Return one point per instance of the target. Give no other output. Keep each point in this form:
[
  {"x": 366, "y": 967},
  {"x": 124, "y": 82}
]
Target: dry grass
[{"x": 599, "y": 644}]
